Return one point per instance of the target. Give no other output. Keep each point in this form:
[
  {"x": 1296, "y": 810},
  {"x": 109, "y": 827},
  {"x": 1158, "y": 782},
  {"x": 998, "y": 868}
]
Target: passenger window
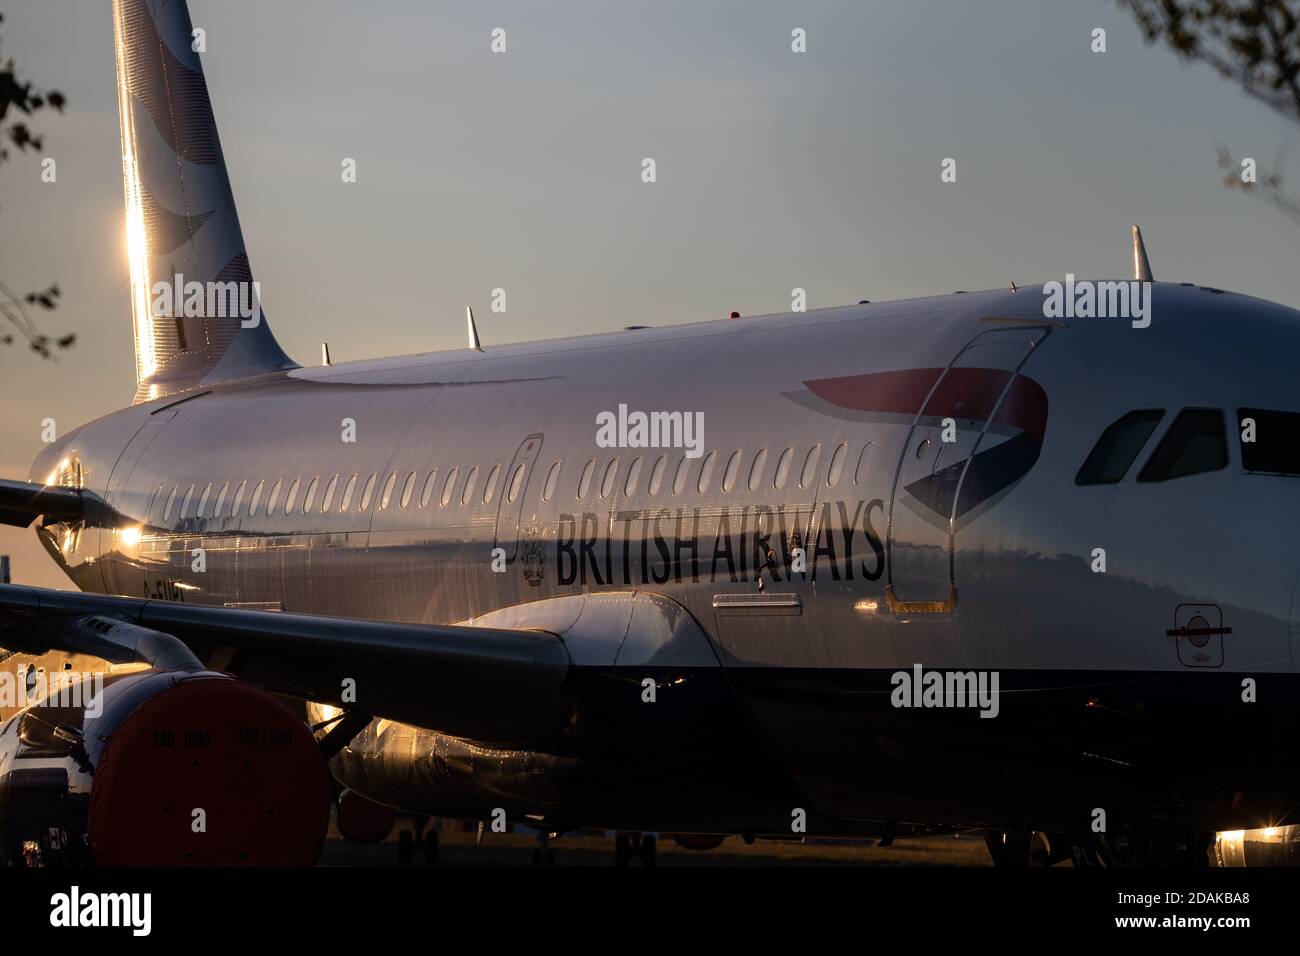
[
  {"x": 427, "y": 491},
  {"x": 221, "y": 499},
  {"x": 329, "y": 494},
  {"x": 309, "y": 499},
  {"x": 1118, "y": 446},
  {"x": 368, "y": 491},
  {"x": 756, "y": 469},
  {"x": 837, "y": 465},
  {"x": 679, "y": 479},
  {"x": 1274, "y": 447},
  {"x": 185, "y": 504},
  {"x": 782, "y": 469},
  {"x": 291, "y": 497},
  {"x": 633, "y": 475},
  {"x": 449, "y": 486},
  {"x": 467, "y": 491},
  {"x": 275, "y": 496},
  {"x": 348, "y": 489},
  {"x": 657, "y": 474},
  {"x": 407, "y": 488},
  {"x": 729, "y": 473},
  {"x": 584, "y": 483},
  {"x": 1195, "y": 443},
  {"x": 239, "y": 499},
  {"x": 516, "y": 484},
  {"x": 864, "y": 463},
  {"x": 171, "y": 503},
  {"x": 386, "y": 495},
  {"x": 257, "y": 497},
  {"x": 490, "y": 489},
  {"x": 706, "y": 472},
  {"x": 551, "y": 478},
  {"x": 607, "y": 481},
  {"x": 203, "y": 500},
  {"x": 810, "y": 466}
]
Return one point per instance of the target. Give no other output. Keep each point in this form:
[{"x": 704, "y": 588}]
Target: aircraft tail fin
[{"x": 195, "y": 307}]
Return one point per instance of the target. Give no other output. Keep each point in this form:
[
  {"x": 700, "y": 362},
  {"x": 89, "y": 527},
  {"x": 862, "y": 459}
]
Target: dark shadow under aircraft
[{"x": 971, "y": 561}]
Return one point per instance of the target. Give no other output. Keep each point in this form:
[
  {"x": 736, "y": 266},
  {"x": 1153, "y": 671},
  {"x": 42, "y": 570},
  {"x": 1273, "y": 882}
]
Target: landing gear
[
  {"x": 641, "y": 846},
  {"x": 1020, "y": 848},
  {"x": 1085, "y": 851},
  {"x": 421, "y": 838},
  {"x": 1138, "y": 846},
  {"x": 1133, "y": 846},
  {"x": 1141, "y": 846}
]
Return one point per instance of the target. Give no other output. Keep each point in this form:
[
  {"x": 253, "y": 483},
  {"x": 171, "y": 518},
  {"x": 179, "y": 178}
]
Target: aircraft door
[
  {"x": 946, "y": 434},
  {"x": 511, "y": 520}
]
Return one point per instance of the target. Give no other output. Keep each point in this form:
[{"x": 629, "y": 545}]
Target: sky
[{"x": 522, "y": 170}]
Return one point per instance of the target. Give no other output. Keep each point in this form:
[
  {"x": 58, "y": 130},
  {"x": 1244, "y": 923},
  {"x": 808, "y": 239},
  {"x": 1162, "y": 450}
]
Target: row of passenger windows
[
  {"x": 1196, "y": 442},
  {"x": 230, "y": 502},
  {"x": 738, "y": 467},
  {"x": 345, "y": 498}
]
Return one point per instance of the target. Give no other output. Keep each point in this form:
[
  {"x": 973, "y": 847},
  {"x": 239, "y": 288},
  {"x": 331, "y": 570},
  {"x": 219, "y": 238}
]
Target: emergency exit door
[{"x": 513, "y": 495}]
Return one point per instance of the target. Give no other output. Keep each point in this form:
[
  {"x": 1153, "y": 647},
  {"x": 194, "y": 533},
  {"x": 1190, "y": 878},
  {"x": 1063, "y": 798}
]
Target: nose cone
[{"x": 55, "y": 465}]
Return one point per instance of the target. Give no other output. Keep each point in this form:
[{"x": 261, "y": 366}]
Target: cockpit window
[
  {"x": 1270, "y": 441},
  {"x": 1117, "y": 447},
  {"x": 1196, "y": 442}
]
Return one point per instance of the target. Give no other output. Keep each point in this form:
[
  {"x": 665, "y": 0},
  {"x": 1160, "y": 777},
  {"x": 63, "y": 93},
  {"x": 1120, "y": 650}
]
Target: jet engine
[{"x": 160, "y": 768}]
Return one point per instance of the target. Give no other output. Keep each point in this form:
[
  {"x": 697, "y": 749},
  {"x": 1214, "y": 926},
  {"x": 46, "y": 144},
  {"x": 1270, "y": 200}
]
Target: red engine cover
[{"x": 223, "y": 747}]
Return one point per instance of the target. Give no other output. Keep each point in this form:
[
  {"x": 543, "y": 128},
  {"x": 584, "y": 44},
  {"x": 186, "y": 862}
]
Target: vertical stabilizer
[{"x": 195, "y": 307}]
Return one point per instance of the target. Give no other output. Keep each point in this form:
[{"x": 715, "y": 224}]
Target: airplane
[{"x": 956, "y": 563}]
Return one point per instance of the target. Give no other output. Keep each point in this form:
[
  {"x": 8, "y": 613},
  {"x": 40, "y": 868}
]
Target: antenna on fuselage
[
  {"x": 1141, "y": 266},
  {"x": 472, "y": 329},
  {"x": 325, "y": 354}
]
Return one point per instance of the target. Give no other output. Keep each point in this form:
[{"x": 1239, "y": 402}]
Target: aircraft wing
[
  {"x": 488, "y": 684},
  {"x": 22, "y": 502}
]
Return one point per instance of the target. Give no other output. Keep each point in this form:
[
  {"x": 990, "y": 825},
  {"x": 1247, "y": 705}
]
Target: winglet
[
  {"x": 325, "y": 354},
  {"x": 473, "y": 331},
  {"x": 1141, "y": 267}
]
